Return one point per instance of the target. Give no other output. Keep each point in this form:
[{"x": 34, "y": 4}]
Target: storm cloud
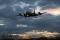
[
  {"x": 50, "y": 20},
  {"x": 16, "y": 5}
]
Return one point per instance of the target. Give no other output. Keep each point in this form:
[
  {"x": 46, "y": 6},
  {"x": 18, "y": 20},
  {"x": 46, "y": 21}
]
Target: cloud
[
  {"x": 38, "y": 9},
  {"x": 2, "y": 21},
  {"x": 2, "y": 6},
  {"x": 50, "y": 23},
  {"x": 49, "y": 6},
  {"x": 21, "y": 25},
  {"x": 2, "y": 24},
  {"x": 36, "y": 3},
  {"x": 37, "y": 34},
  {"x": 53, "y": 11},
  {"x": 21, "y": 5},
  {"x": 42, "y": 33},
  {"x": 7, "y": 2},
  {"x": 24, "y": 5}
]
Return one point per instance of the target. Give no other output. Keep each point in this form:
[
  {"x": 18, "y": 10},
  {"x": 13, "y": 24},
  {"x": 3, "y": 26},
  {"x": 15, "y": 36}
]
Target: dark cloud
[
  {"x": 51, "y": 23},
  {"x": 6, "y": 2},
  {"x": 51, "y": 3},
  {"x": 45, "y": 4}
]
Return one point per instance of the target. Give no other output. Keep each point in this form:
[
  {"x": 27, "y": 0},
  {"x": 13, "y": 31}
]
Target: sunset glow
[
  {"x": 54, "y": 11},
  {"x": 37, "y": 34}
]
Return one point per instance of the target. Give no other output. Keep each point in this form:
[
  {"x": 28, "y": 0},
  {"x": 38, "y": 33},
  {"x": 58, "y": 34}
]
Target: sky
[
  {"x": 13, "y": 7},
  {"x": 50, "y": 20}
]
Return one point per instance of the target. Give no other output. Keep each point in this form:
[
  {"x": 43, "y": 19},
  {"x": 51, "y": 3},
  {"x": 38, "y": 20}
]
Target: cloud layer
[
  {"x": 20, "y": 5},
  {"x": 10, "y": 8}
]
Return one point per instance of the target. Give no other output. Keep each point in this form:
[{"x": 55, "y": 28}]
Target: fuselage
[{"x": 29, "y": 14}]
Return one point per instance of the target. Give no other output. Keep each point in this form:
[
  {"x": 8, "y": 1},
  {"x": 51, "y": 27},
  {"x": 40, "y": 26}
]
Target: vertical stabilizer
[{"x": 34, "y": 10}]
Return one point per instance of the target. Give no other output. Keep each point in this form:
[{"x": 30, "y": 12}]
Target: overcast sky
[{"x": 12, "y": 7}]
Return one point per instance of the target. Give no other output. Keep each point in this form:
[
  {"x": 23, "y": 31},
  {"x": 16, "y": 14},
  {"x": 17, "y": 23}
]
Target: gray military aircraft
[{"x": 30, "y": 14}]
